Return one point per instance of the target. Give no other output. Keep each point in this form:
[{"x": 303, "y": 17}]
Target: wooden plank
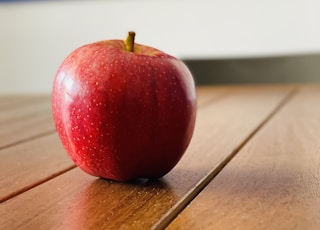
[
  {"x": 24, "y": 119},
  {"x": 24, "y": 130},
  {"x": 76, "y": 200},
  {"x": 16, "y": 109},
  {"x": 273, "y": 182},
  {"x": 207, "y": 94},
  {"x": 28, "y": 164},
  {"x": 15, "y": 100}
]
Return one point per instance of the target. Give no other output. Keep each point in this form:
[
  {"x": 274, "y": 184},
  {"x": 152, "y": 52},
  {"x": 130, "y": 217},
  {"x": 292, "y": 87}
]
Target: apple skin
[{"x": 124, "y": 115}]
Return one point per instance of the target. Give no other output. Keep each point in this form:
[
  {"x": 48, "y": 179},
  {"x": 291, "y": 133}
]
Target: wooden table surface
[{"x": 253, "y": 163}]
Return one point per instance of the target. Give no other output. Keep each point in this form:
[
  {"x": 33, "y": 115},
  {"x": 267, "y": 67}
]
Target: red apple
[{"x": 124, "y": 110}]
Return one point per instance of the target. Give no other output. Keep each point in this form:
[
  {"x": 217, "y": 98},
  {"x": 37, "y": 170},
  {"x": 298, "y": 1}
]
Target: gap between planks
[
  {"x": 31, "y": 186},
  {"x": 185, "y": 200},
  {"x": 28, "y": 139}
]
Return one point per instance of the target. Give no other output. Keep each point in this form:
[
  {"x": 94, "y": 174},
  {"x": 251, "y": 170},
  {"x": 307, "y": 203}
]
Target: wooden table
[{"x": 253, "y": 163}]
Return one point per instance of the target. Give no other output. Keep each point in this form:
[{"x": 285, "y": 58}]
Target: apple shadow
[{"x": 140, "y": 182}]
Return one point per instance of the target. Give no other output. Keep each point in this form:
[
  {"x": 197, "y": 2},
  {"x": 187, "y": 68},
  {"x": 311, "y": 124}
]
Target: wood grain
[
  {"x": 208, "y": 94},
  {"x": 7, "y": 101},
  {"x": 273, "y": 182},
  {"x": 76, "y": 200},
  {"x": 15, "y": 108},
  {"x": 25, "y": 165},
  {"x": 23, "y": 118}
]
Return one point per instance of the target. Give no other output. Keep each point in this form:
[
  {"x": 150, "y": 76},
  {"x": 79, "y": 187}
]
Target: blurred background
[{"x": 222, "y": 41}]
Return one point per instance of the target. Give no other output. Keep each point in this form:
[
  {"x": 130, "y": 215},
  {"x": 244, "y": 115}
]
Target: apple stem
[{"x": 129, "y": 42}]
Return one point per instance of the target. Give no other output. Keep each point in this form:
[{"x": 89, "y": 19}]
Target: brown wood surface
[
  {"x": 23, "y": 118},
  {"x": 227, "y": 118},
  {"x": 273, "y": 182},
  {"x": 30, "y": 163},
  {"x": 17, "y": 100}
]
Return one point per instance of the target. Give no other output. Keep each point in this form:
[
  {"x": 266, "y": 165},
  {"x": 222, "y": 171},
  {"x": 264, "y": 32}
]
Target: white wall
[{"x": 36, "y": 36}]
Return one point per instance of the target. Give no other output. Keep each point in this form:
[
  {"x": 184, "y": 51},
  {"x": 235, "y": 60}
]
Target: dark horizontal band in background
[{"x": 280, "y": 69}]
